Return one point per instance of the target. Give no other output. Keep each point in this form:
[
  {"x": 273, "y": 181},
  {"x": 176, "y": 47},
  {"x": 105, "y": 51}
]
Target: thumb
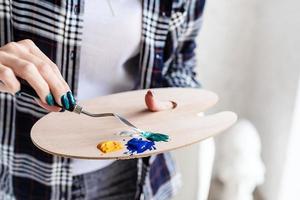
[{"x": 155, "y": 105}]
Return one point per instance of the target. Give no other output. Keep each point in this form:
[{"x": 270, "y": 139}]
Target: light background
[{"x": 249, "y": 53}]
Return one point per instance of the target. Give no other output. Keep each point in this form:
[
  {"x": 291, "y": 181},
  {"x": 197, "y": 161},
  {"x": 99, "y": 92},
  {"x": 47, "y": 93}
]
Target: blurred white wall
[
  {"x": 290, "y": 187},
  {"x": 249, "y": 53}
]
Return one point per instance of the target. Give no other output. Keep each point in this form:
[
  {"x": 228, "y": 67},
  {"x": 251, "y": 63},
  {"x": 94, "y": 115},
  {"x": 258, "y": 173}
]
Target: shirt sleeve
[{"x": 181, "y": 72}]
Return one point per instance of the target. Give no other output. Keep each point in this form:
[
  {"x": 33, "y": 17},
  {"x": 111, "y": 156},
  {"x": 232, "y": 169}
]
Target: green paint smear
[{"x": 155, "y": 137}]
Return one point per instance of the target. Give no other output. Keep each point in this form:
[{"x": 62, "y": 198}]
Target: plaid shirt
[{"x": 166, "y": 60}]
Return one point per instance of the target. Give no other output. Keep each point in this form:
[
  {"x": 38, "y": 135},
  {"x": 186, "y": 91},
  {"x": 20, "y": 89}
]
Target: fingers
[
  {"x": 8, "y": 80},
  {"x": 27, "y": 61},
  {"x": 47, "y": 107},
  {"x": 34, "y": 50},
  {"x": 155, "y": 105},
  {"x": 27, "y": 71},
  {"x": 58, "y": 87}
]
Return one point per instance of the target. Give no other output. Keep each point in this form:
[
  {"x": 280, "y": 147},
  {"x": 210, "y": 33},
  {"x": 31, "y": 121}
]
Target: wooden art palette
[{"x": 77, "y": 136}]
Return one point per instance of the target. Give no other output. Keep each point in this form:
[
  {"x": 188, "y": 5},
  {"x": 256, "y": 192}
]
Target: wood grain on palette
[{"x": 72, "y": 135}]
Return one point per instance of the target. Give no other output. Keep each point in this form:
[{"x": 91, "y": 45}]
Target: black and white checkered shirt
[{"x": 167, "y": 59}]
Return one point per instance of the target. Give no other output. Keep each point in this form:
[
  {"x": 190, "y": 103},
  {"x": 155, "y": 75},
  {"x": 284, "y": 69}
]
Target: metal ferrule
[{"x": 77, "y": 109}]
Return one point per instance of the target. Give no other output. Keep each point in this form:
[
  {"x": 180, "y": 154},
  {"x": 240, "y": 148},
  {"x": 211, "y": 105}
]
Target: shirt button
[
  {"x": 164, "y": 14},
  {"x": 72, "y": 54},
  {"x": 76, "y": 9},
  {"x": 158, "y": 56}
]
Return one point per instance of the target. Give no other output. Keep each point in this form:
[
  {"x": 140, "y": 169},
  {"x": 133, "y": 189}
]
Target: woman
[{"x": 88, "y": 49}]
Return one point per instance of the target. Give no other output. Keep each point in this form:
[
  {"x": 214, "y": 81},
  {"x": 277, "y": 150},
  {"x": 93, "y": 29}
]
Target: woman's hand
[
  {"x": 155, "y": 105},
  {"x": 25, "y": 60}
]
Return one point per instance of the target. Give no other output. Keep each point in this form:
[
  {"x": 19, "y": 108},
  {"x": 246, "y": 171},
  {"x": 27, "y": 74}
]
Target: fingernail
[
  {"x": 150, "y": 93},
  {"x": 65, "y": 102},
  {"x": 71, "y": 99},
  {"x": 50, "y": 99}
]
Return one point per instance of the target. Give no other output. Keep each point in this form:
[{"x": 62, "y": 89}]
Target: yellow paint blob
[{"x": 109, "y": 146}]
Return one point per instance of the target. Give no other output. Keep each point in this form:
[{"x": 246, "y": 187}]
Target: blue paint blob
[{"x": 139, "y": 145}]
